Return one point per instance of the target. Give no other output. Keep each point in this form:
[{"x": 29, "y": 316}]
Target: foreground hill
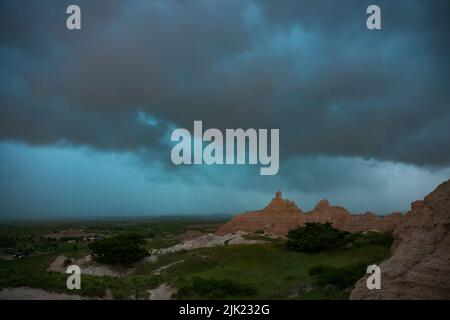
[
  {"x": 281, "y": 215},
  {"x": 419, "y": 267}
]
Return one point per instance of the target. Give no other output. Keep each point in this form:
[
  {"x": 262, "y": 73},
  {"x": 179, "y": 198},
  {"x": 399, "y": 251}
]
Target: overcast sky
[{"x": 86, "y": 116}]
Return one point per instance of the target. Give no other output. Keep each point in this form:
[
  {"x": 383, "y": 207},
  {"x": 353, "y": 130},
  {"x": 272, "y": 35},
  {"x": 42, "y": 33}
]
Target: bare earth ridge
[
  {"x": 419, "y": 267},
  {"x": 281, "y": 215}
]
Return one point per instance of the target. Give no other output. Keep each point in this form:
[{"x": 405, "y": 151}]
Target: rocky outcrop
[
  {"x": 322, "y": 205},
  {"x": 419, "y": 267},
  {"x": 277, "y": 218},
  {"x": 281, "y": 215},
  {"x": 206, "y": 241},
  {"x": 278, "y": 204}
]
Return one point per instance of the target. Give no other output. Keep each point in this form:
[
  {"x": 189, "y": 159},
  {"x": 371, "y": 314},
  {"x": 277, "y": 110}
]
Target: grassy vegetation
[
  {"x": 384, "y": 239},
  {"x": 259, "y": 271},
  {"x": 214, "y": 289},
  {"x": 274, "y": 271},
  {"x": 32, "y": 272},
  {"x": 338, "y": 278}
]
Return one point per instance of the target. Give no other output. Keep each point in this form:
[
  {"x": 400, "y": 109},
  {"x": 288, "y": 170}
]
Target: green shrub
[
  {"x": 123, "y": 249},
  {"x": 214, "y": 289},
  {"x": 316, "y": 237}
]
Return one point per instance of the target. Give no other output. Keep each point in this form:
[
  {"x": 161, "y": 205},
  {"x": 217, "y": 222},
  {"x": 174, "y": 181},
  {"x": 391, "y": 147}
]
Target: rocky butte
[
  {"x": 281, "y": 215},
  {"x": 419, "y": 267}
]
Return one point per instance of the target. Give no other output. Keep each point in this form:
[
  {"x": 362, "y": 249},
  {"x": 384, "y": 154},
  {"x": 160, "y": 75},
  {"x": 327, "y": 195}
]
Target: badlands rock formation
[
  {"x": 206, "y": 241},
  {"x": 420, "y": 264},
  {"x": 281, "y": 215}
]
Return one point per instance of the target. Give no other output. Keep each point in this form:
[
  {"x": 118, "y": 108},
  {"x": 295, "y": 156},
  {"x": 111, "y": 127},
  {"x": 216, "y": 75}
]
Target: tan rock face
[
  {"x": 281, "y": 215},
  {"x": 280, "y": 204},
  {"x": 322, "y": 205},
  {"x": 420, "y": 264}
]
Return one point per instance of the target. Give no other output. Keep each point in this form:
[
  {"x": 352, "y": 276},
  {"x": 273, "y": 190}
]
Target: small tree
[
  {"x": 316, "y": 237},
  {"x": 124, "y": 249}
]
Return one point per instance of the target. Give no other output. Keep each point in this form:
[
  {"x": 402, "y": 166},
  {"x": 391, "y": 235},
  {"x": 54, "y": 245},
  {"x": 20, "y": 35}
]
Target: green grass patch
[
  {"x": 270, "y": 268},
  {"x": 215, "y": 289}
]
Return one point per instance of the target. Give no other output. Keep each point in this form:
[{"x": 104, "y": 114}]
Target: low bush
[{"x": 316, "y": 237}]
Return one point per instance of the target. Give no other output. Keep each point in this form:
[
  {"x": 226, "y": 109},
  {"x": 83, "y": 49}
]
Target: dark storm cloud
[{"x": 310, "y": 68}]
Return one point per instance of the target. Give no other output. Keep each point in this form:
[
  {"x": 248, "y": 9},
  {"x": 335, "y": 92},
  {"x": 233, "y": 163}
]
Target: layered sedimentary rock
[
  {"x": 281, "y": 215},
  {"x": 419, "y": 267}
]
